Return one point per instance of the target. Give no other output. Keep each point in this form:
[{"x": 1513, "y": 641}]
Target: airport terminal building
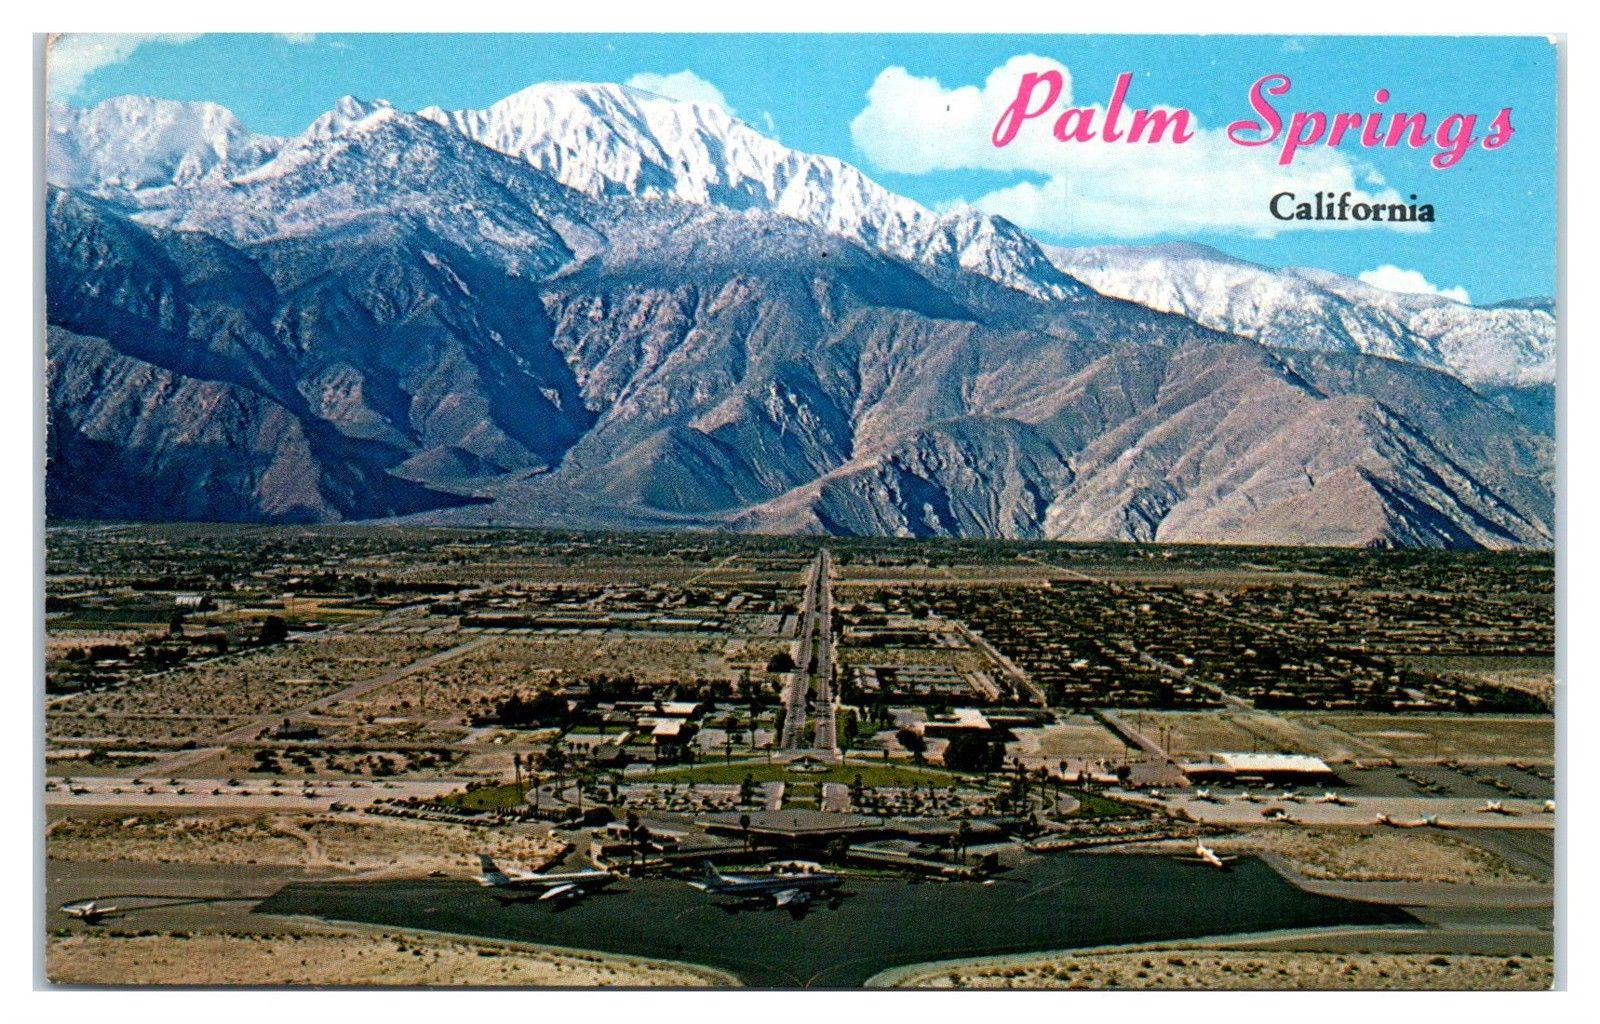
[{"x": 1246, "y": 769}]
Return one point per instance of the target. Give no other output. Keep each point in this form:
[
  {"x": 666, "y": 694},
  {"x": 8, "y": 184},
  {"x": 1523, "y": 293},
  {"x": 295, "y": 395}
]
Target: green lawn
[
  {"x": 1092, "y": 805},
  {"x": 873, "y": 773}
]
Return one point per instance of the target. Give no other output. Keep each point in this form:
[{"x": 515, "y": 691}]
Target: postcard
[{"x": 800, "y": 511}]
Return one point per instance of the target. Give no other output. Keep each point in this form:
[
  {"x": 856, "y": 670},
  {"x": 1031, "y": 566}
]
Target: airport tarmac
[
  {"x": 1051, "y": 902},
  {"x": 1229, "y": 807},
  {"x": 1475, "y": 781}
]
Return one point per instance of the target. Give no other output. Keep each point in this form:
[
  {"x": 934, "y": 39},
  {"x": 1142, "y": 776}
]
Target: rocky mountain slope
[
  {"x": 1504, "y": 345},
  {"x": 588, "y": 306}
]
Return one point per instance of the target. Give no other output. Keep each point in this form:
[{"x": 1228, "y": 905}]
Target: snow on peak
[
  {"x": 347, "y": 111},
  {"x": 611, "y": 139},
  {"x": 1306, "y": 308},
  {"x": 597, "y": 139},
  {"x": 605, "y": 139},
  {"x": 134, "y": 142}
]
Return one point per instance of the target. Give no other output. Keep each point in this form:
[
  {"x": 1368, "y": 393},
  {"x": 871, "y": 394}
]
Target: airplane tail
[
  {"x": 710, "y": 872},
  {"x": 489, "y": 873}
]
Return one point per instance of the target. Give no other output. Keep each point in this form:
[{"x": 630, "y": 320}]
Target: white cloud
[
  {"x": 298, "y": 38},
  {"x": 768, "y": 125},
  {"x": 681, "y": 85},
  {"x": 1398, "y": 279},
  {"x": 73, "y": 56},
  {"x": 915, "y": 125}
]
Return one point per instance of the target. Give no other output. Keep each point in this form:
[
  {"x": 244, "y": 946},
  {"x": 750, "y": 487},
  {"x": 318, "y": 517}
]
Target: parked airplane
[
  {"x": 87, "y": 911},
  {"x": 1434, "y": 821},
  {"x": 1205, "y": 794},
  {"x": 1277, "y": 814},
  {"x": 1293, "y": 797},
  {"x": 783, "y": 888},
  {"x": 1384, "y": 819},
  {"x": 1495, "y": 807},
  {"x": 556, "y": 885},
  {"x": 1330, "y": 797},
  {"x": 1549, "y": 807},
  {"x": 1204, "y": 854}
]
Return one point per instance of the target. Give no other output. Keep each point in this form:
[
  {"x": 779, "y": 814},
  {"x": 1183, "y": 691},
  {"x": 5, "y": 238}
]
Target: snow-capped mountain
[
  {"x": 611, "y": 139},
  {"x": 362, "y": 161},
  {"x": 587, "y": 306},
  {"x": 1504, "y": 345},
  {"x": 131, "y": 143}
]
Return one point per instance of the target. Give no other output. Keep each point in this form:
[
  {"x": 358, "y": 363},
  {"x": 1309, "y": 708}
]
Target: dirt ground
[
  {"x": 1468, "y": 738},
  {"x": 351, "y": 842},
  {"x": 57, "y": 642},
  {"x": 1200, "y": 732},
  {"x": 182, "y": 958},
  {"x": 530, "y": 664},
  {"x": 1078, "y": 736},
  {"x": 200, "y": 699},
  {"x": 1379, "y": 855},
  {"x": 1222, "y": 969},
  {"x": 1339, "y": 736}
]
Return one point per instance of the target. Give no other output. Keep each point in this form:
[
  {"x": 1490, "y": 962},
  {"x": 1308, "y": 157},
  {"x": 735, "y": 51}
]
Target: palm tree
[
  {"x": 633, "y": 836},
  {"x": 963, "y": 836},
  {"x": 912, "y": 740}
]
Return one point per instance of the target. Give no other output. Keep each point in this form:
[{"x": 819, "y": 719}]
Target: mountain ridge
[
  {"x": 1506, "y": 344},
  {"x": 405, "y": 321}
]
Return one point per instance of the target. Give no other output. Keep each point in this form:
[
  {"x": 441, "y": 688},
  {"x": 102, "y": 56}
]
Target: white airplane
[
  {"x": 556, "y": 885},
  {"x": 785, "y": 889},
  {"x": 1549, "y": 807},
  {"x": 1330, "y": 797},
  {"x": 1434, "y": 821},
  {"x": 1278, "y": 814},
  {"x": 1495, "y": 807},
  {"x": 1293, "y": 797},
  {"x": 87, "y": 911},
  {"x": 1204, "y": 854},
  {"x": 1205, "y": 794},
  {"x": 1251, "y": 796},
  {"x": 1422, "y": 822}
]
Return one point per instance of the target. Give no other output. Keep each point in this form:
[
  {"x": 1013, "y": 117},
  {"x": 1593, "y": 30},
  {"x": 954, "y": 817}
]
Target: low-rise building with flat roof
[{"x": 1254, "y": 767}]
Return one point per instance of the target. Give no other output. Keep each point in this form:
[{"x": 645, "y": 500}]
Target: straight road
[
  {"x": 813, "y": 664},
  {"x": 826, "y": 738},
  {"x": 799, "y": 692}
]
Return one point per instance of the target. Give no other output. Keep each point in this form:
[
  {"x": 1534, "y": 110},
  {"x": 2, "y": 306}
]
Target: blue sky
[{"x": 1494, "y": 236}]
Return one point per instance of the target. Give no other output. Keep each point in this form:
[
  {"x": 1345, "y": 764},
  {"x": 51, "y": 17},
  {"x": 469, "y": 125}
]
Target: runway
[{"x": 1053, "y": 902}]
